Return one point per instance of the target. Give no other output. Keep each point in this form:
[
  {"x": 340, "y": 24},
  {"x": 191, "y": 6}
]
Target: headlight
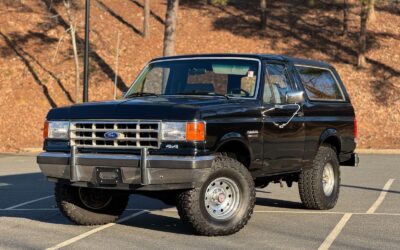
[
  {"x": 183, "y": 131},
  {"x": 56, "y": 130}
]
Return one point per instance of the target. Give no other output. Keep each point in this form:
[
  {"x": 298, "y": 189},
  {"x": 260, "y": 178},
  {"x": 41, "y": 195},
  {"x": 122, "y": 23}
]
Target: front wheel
[
  {"x": 223, "y": 204},
  {"x": 88, "y": 206},
  {"x": 319, "y": 185}
]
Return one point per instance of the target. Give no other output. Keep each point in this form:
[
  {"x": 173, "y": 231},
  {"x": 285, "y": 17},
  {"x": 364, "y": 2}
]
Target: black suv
[{"x": 201, "y": 132}]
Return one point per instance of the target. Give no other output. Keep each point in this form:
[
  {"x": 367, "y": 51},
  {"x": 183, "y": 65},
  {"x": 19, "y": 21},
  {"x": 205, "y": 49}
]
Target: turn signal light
[
  {"x": 195, "y": 131},
  {"x": 46, "y": 130}
]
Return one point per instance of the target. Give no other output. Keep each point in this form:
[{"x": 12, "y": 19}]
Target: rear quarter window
[{"x": 320, "y": 84}]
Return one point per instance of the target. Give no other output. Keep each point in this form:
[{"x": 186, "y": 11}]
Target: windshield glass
[{"x": 228, "y": 77}]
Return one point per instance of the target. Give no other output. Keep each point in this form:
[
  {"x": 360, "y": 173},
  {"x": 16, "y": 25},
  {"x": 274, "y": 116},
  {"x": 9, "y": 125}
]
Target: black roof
[{"x": 294, "y": 60}]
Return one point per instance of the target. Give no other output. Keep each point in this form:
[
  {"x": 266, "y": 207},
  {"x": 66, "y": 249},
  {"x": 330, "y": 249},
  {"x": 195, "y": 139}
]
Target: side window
[
  {"x": 276, "y": 84},
  {"x": 319, "y": 83}
]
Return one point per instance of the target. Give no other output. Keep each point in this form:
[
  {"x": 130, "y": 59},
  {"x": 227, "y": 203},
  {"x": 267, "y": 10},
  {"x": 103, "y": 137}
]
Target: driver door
[{"x": 283, "y": 148}]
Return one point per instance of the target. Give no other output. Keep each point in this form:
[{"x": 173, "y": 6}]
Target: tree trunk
[
  {"x": 170, "y": 27},
  {"x": 345, "y": 17},
  {"x": 146, "y": 19},
  {"x": 263, "y": 17},
  {"x": 371, "y": 10},
  {"x": 363, "y": 34},
  {"x": 72, "y": 32},
  {"x": 76, "y": 58}
]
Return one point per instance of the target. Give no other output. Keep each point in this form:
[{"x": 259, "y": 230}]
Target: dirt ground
[{"x": 36, "y": 76}]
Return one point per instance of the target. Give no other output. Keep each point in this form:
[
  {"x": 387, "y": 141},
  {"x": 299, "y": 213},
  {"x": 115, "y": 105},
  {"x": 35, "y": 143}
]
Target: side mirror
[{"x": 295, "y": 97}]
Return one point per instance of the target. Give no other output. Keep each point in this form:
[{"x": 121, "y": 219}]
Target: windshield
[{"x": 227, "y": 77}]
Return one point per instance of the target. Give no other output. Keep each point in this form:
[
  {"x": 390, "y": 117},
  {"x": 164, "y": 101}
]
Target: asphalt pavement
[{"x": 367, "y": 216}]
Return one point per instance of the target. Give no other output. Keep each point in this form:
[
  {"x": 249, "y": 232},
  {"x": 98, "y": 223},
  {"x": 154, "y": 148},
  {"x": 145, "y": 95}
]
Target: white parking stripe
[
  {"x": 28, "y": 202},
  {"x": 30, "y": 209},
  {"x": 335, "y": 232},
  {"x": 257, "y": 211},
  {"x": 93, "y": 231},
  {"x": 381, "y": 197}
]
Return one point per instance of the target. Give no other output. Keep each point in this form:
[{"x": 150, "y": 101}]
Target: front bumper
[{"x": 132, "y": 172}]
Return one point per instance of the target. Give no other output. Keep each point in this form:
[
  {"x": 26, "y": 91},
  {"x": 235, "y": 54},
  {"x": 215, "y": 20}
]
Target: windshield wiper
[
  {"x": 137, "y": 94},
  {"x": 205, "y": 93}
]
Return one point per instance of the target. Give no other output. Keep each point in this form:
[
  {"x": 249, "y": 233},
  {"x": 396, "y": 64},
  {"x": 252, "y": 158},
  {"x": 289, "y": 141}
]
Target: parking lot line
[
  {"x": 257, "y": 211},
  {"x": 28, "y": 202},
  {"x": 30, "y": 209},
  {"x": 381, "y": 197},
  {"x": 335, "y": 232},
  {"x": 93, "y": 231}
]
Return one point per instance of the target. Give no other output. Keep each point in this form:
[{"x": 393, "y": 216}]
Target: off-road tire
[
  {"x": 191, "y": 206},
  {"x": 310, "y": 181},
  {"x": 71, "y": 206}
]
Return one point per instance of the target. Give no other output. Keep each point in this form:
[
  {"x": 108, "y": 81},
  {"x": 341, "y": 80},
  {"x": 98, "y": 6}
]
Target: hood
[{"x": 158, "y": 108}]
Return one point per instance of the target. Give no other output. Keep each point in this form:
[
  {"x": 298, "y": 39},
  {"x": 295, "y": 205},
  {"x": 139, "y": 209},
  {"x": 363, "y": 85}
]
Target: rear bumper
[
  {"x": 142, "y": 172},
  {"x": 350, "y": 160}
]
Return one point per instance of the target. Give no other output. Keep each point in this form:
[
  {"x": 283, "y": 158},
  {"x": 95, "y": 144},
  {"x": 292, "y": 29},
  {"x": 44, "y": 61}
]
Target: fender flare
[
  {"x": 331, "y": 134},
  {"x": 234, "y": 137}
]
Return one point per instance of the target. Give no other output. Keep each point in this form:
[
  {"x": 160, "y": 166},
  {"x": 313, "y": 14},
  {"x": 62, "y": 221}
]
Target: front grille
[{"x": 131, "y": 135}]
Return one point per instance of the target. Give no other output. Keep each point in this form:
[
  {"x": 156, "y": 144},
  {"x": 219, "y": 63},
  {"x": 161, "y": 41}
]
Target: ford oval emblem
[{"x": 111, "y": 135}]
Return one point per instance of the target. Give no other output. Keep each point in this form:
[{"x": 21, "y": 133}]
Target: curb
[{"x": 378, "y": 151}]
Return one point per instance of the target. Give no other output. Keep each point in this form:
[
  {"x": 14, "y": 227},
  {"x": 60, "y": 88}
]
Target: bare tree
[
  {"x": 72, "y": 32},
  {"x": 146, "y": 19},
  {"x": 263, "y": 17},
  {"x": 170, "y": 27},
  {"x": 345, "y": 17},
  {"x": 371, "y": 10},
  {"x": 117, "y": 64},
  {"x": 362, "y": 45}
]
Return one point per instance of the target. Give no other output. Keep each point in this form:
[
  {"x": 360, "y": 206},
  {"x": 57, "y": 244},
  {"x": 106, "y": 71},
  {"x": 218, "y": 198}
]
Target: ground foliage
[{"x": 35, "y": 79}]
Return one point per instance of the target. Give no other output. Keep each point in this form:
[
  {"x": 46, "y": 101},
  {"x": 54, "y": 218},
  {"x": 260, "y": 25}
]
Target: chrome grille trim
[{"x": 133, "y": 134}]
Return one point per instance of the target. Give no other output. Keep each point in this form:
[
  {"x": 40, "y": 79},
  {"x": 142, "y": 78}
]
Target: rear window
[{"x": 320, "y": 84}]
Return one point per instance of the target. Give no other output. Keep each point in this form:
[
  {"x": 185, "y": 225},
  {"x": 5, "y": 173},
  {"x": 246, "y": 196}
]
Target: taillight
[
  {"x": 46, "y": 130},
  {"x": 195, "y": 131},
  {"x": 355, "y": 129}
]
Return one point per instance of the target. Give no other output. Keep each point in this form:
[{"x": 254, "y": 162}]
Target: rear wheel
[
  {"x": 224, "y": 202},
  {"x": 88, "y": 206},
  {"x": 319, "y": 185}
]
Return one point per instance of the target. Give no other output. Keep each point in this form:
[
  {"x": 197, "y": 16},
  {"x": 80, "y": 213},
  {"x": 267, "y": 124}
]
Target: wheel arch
[
  {"x": 332, "y": 138},
  {"x": 235, "y": 143}
]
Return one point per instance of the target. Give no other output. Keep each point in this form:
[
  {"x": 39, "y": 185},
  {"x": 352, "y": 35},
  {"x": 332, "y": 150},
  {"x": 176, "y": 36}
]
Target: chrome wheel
[
  {"x": 328, "y": 179},
  {"x": 94, "y": 199},
  {"x": 222, "y": 198}
]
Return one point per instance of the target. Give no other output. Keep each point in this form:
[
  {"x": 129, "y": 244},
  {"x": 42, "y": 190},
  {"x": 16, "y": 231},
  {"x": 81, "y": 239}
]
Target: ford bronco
[{"x": 201, "y": 132}]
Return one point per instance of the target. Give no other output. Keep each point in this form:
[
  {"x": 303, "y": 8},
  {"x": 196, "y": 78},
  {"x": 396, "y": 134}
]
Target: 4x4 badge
[{"x": 252, "y": 133}]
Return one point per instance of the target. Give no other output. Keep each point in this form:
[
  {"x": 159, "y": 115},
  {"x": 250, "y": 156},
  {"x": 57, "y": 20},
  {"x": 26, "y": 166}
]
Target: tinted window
[
  {"x": 276, "y": 84},
  {"x": 232, "y": 77},
  {"x": 319, "y": 83},
  {"x": 155, "y": 81}
]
